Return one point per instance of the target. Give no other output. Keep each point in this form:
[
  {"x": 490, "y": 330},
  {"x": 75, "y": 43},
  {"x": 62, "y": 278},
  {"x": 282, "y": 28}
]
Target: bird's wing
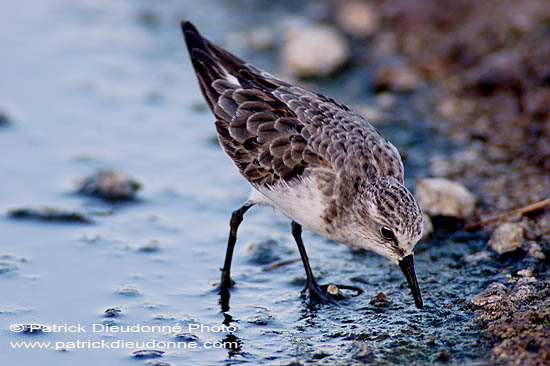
[{"x": 274, "y": 131}]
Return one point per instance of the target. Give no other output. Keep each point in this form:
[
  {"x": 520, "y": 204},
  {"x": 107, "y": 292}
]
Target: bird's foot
[
  {"x": 335, "y": 290},
  {"x": 317, "y": 294},
  {"x": 223, "y": 290}
]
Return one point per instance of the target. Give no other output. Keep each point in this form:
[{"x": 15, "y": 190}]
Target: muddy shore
[{"x": 486, "y": 64}]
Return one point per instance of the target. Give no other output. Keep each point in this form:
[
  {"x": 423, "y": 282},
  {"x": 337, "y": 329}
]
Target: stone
[
  {"x": 371, "y": 114},
  {"x": 314, "y": 51},
  {"x": 109, "y": 185},
  {"x": 260, "y": 39},
  {"x": 534, "y": 250},
  {"x": 49, "y": 214},
  {"x": 428, "y": 225},
  {"x": 506, "y": 238},
  {"x": 477, "y": 257},
  {"x": 385, "y": 101},
  {"x": 380, "y": 299},
  {"x": 357, "y": 18},
  {"x": 5, "y": 120},
  {"x": 398, "y": 78},
  {"x": 439, "y": 196},
  {"x": 494, "y": 293},
  {"x": 333, "y": 290},
  {"x": 113, "y": 312},
  {"x": 147, "y": 353},
  {"x": 444, "y": 356}
]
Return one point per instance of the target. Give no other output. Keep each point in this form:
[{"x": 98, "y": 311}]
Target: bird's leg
[
  {"x": 236, "y": 219},
  {"x": 316, "y": 294}
]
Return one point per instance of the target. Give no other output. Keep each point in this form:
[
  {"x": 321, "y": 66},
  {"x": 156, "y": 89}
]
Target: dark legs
[
  {"x": 236, "y": 219},
  {"x": 316, "y": 294}
]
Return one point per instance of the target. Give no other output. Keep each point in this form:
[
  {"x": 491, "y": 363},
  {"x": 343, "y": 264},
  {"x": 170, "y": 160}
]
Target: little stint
[{"x": 310, "y": 157}]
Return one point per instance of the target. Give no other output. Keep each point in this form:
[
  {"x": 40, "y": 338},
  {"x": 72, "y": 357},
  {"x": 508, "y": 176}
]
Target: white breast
[{"x": 302, "y": 202}]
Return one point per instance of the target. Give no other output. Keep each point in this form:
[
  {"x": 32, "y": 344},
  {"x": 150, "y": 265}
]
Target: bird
[{"x": 310, "y": 157}]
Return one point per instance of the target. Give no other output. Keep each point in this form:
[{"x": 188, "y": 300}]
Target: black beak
[{"x": 407, "y": 266}]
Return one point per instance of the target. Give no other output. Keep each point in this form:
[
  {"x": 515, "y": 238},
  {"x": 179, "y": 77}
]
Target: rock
[
  {"x": 127, "y": 291},
  {"x": 380, "y": 299},
  {"x": 147, "y": 353},
  {"x": 386, "y": 100},
  {"x": 501, "y": 70},
  {"x": 428, "y": 225},
  {"x": 506, "y": 238},
  {"x": 8, "y": 267},
  {"x": 259, "y": 39},
  {"x": 396, "y": 78},
  {"x": 150, "y": 247},
  {"x": 439, "y": 196},
  {"x": 525, "y": 272},
  {"x": 333, "y": 290},
  {"x": 494, "y": 293},
  {"x": 477, "y": 257},
  {"x": 113, "y": 312},
  {"x": 186, "y": 337},
  {"x": 50, "y": 214},
  {"x": 371, "y": 114},
  {"x": 534, "y": 250},
  {"x": 314, "y": 51},
  {"x": 444, "y": 356},
  {"x": 357, "y": 18},
  {"x": 109, "y": 185},
  {"x": 4, "y": 119}
]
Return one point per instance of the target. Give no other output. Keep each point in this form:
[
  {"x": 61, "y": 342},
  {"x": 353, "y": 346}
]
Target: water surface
[{"x": 102, "y": 84}]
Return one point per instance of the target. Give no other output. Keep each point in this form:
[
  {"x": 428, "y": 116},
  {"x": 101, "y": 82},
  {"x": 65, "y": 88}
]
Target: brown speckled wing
[{"x": 274, "y": 131}]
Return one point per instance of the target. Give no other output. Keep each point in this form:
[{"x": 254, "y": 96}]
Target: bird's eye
[{"x": 387, "y": 233}]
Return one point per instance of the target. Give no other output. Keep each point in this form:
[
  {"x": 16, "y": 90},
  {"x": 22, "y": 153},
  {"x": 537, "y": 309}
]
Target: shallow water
[{"x": 102, "y": 84}]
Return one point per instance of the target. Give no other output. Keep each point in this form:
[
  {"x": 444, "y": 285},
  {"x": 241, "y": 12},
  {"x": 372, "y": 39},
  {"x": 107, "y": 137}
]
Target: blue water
[{"x": 105, "y": 84}]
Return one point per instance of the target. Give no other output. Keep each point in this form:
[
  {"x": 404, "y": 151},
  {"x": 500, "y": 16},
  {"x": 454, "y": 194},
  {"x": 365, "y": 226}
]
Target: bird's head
[{"x": 390, "y": 224}]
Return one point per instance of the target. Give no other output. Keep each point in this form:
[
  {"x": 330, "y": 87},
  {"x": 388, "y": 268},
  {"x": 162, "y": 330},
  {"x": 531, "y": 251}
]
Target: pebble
[
  {"x": 7, "y": 267},
  {"x": 477, "y": 257},
  {"x": 150, "y": 247},
  {"x": 147, "y": 353},
  {"x": 4, "y": 119},
  {"x": 109, "y": 185},
  {"x": 186, "y": 337},
  {"x": 50, "y": 214},
  {"x": 506, "y": 238},
  {"x": 371, "y": 114},
  {"x": 439, "y": 196},
  {"x": 534, "y": 250},
  {"x": 494, "y": 293},
  {"x": 357, "y": 18},
  {"x": 314, "y": 51},
  {"x": 395, "y": 78},
  {"x": 428, "y": 225},
  {"x": 126, "y": 291},
  {"x": 444, "y": 356},
  {"x": 500, "y": 70},
  {"x": 385, "y": 100},
  {"x": 259, "y": 39},
  {"x": 379, "y": 299},
  {"x": 113, "y": 312},
  {"x": 333, "y": 290}
]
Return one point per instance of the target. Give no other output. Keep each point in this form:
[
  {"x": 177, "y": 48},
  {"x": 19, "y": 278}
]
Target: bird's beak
[{"x": 407, "y": 266}]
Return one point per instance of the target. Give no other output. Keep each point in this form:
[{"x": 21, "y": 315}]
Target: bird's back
[{"x": 276, "y": 132}]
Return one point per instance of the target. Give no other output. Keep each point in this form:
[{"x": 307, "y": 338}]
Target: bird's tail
[{"x": 211, "y": 64}]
